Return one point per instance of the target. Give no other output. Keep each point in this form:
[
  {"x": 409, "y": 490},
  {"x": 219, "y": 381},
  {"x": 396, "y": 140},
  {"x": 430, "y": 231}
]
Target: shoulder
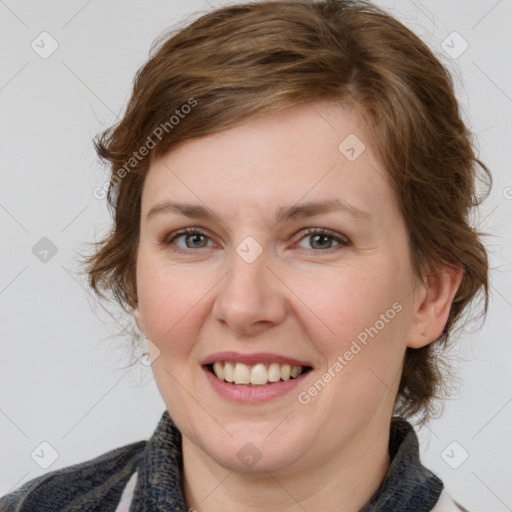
[
  {"x": 446, "y": 504},
  {"x": 98, "y": 482}
]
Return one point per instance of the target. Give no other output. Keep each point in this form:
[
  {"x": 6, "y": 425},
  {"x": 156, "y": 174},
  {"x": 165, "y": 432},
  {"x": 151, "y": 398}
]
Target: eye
[
  {"x": 319, "y": 238},
  {"x": 193, "y": 239},
  {"x": 322, "y": 238}
]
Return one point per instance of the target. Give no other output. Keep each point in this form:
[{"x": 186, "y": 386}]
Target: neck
[{"x": 341, "y": 482}]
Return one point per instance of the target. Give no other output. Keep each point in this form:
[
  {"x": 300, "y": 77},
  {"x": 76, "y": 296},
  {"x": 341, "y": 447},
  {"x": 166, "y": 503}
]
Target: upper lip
[{"x": 251, "y": 359}]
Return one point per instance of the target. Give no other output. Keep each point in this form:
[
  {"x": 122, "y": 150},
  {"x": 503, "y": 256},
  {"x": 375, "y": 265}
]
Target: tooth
[
  {"x": 229, "y": 371},
  {"x": 259, "y": 374},
  {"x": 218, "y": 370},
  {"x": 274, "y": 372},
  {"x": 241, "y": 374},
  {"x": 295, "y": 371}
]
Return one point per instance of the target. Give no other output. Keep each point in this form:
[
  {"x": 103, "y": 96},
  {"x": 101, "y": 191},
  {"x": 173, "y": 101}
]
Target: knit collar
[{"x": 408, "y": 485}]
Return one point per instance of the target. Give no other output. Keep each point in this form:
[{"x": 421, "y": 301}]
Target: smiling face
[{"x": 243, "y": 282}]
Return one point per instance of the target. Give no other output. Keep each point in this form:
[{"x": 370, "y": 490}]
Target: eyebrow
[{"x": 289, "y": 213}]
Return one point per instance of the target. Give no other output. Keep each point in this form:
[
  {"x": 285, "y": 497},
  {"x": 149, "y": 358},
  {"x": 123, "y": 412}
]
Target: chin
[{"x": 255, "y": 453}]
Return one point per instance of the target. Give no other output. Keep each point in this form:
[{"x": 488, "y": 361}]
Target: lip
[
  {"x": 251, "y": 359},
  {"x": 249, "y": 394}
]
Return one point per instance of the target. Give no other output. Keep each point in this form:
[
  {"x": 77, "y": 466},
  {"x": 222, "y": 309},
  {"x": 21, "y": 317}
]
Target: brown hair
[{"x": 253, "y": 59}]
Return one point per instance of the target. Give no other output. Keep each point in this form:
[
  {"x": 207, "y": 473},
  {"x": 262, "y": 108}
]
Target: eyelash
[{"x": 344, "y": 242}]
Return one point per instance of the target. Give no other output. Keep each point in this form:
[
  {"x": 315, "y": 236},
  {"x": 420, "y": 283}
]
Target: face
[{"x": 328, "y": 290}]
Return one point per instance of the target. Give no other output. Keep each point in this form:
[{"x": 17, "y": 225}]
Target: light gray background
[{"x": 62, "y": 376}]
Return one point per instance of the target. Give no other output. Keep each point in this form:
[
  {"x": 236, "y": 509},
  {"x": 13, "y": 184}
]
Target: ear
[
  {"x": 139, "y": 320},
  {"x": 432, "y": 307}
]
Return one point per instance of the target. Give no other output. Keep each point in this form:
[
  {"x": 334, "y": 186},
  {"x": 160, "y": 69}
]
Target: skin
[{"x": 304, "y": 296}]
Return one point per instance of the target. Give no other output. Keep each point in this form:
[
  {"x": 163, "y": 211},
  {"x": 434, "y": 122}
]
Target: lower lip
[{"x": 246, "y": 393}]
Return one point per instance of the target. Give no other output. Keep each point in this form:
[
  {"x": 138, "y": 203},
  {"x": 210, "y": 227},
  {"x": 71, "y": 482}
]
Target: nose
[{"x": 251, "y": 298}]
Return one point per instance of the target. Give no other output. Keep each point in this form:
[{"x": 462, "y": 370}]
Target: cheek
[
  {"x": 349, "y": 302},
  {"x": 361, "y": 323},
  {"x": 335, "y": 306},
  {"x": 167, "y": 298}
]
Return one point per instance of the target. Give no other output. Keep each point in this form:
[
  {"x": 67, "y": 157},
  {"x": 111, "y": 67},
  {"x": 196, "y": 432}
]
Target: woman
[{"x": 315, "y": 153}]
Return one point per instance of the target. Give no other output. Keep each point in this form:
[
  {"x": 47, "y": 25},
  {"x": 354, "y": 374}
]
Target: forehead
[{"x": 310, "y": 152}]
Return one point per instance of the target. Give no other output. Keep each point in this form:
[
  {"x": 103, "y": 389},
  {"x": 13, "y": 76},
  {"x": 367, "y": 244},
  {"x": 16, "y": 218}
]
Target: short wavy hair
[{"x": 256, "y": 58}]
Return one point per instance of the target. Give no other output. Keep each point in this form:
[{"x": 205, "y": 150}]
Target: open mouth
[{"x": 259, "y": 374}]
